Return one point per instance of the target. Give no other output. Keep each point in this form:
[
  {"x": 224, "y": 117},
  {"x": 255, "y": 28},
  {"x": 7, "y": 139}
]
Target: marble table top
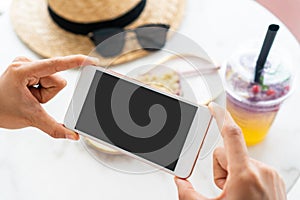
[{"x": 35, "y": 166}]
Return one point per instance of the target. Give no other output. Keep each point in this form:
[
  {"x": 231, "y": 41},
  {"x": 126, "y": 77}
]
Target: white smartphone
[{"x": 159, "y": 128}]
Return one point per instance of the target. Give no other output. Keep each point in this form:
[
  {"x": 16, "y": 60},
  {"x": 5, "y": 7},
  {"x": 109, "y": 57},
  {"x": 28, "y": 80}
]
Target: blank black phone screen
[{"x": 139, "y": 120}]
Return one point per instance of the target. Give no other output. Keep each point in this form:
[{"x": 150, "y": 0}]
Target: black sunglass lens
[
  {"x": 152, "y": 38},
  {"x": 109, "y": 42}
]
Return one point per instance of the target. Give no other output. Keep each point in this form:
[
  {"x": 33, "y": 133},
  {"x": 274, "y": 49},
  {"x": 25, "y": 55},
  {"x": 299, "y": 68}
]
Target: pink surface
[{"x": 288, "y": 11}]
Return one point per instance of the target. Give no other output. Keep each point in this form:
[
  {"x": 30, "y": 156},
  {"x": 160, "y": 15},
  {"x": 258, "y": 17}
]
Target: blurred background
[{"x": 287, "y": 11}]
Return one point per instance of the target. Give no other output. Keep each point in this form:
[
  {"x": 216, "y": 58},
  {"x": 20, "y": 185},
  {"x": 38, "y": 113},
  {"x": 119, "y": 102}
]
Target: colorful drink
[{"x": 254, "y": 105}]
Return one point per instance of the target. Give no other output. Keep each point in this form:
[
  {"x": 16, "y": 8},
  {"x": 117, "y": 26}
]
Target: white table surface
[{"x": 35, "y": 166}]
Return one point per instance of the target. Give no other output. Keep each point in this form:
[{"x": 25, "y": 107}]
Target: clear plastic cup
[{"x": 254, "y": 106}]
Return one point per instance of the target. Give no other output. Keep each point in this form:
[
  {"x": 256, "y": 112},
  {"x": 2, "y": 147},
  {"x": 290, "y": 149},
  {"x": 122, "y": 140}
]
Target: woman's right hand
[{"x": 235, "y": 173}]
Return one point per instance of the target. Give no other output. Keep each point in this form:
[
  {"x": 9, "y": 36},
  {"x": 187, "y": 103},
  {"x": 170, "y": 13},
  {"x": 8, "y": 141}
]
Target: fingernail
[
  {"x": 179, "y": 181},
  {"x": 71, "y": 137},
  {"x": 93, "y": 60},
  {"x": 211, "y": 107},
  {"x": 213, "y": 104},
  {"x": 215, "y": 108}
]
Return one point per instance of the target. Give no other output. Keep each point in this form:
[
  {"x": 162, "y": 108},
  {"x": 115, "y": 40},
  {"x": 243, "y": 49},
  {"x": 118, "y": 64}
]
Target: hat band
[{"x": 85, "y": 28}]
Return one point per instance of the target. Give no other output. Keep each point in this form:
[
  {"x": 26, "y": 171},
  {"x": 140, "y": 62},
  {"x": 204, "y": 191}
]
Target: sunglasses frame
[{"x": 110, "y": 32}]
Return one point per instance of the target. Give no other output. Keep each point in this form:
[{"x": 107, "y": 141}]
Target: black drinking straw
[{"x": 264, "y": 52}]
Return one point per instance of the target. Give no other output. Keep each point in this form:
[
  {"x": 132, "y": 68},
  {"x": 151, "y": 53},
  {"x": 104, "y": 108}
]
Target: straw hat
[{"x": 34, "y": 25}]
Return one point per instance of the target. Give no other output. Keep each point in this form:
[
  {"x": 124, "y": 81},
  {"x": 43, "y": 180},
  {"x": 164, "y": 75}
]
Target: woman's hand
[
  {"x": 26, "y": 84},
  {"x": 237, "y": 175}
]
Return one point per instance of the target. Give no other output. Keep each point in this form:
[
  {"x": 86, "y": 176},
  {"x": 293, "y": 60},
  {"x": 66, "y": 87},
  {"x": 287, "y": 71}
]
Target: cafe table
[{"x": 35, "y": 166}]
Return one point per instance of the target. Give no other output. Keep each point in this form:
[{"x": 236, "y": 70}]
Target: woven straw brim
[{"x": 36, "y": 29}]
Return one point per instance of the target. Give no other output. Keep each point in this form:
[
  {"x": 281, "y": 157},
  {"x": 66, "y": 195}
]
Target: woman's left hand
[{"x": 26, "y": 84}]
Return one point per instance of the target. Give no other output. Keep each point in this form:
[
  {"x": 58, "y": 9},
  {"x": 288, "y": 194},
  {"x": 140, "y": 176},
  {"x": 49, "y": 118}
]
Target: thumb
[
  {"x": 47, "y": 124},
  {"x": 186, "y": 190}
]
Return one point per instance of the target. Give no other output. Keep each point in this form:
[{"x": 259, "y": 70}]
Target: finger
[
  {"x": 282, "y": 187},
  {"x": 49, "y": 86},
  {"x": 218, "y": 113},
  {"x": 21, "y": 59},
  {"x": 234, "y": 143},
  {"x": 47, "y": 67},
  {"x": 186, "y": 190},
  {"x": 47, "y": 124},
  {"x": 220, "y": 167}
]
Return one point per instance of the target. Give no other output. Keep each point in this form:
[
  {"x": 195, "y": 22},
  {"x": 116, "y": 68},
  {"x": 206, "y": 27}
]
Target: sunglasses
[{"x": 110, "y": 42}]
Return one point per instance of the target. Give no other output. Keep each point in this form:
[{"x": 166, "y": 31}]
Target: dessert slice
[{"x": 162, "y": 78}]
